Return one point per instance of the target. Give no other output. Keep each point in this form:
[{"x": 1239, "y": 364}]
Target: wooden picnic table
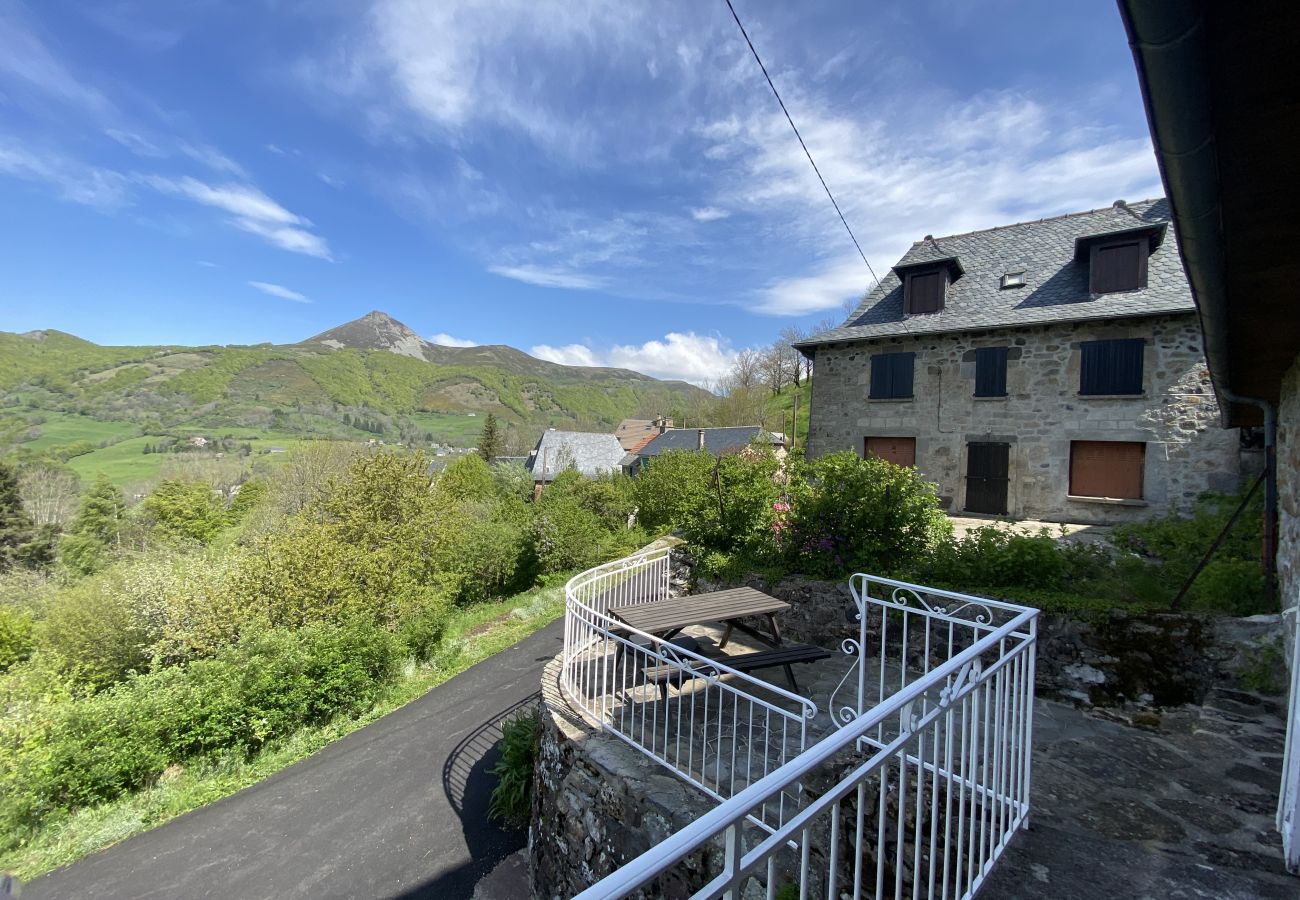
[{"x": 665, "y": 618}]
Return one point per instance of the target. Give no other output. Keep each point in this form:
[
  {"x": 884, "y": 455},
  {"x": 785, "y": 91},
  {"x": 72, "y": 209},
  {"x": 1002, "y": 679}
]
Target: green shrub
[
  {"x": 96, "y": 630},
  {"x": 423, "y": 616},
  {"x": 853, "y": 514},
  {"x": 466, "y": 478},
  {"x": 1235, "y": 587},
  {"x": 185, "y": 510},
  {"x": 17, "y": 639},
  {"x": 512, "y": 797}
]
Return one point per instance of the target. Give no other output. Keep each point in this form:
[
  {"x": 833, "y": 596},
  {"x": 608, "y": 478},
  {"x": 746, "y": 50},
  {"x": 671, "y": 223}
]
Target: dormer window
[
  {"x": 923, "y": 291},
  {"x": 1013, "y": 280},
  {"x": 1117, "y": 260},
  {"x": 925, "y": 284},
  {"x": 1119, "y": 266}
]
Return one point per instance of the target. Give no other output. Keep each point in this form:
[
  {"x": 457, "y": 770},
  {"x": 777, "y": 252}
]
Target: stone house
[
  {"x": 718, "y": 441},
  {"x": 590, "y": 453},
  {"x": 1050, "y": 370}
]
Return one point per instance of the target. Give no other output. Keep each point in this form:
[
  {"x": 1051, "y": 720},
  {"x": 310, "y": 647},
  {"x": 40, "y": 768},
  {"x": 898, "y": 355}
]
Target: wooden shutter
[
  {"x": 923, "y": 292},
  {"x": 991, "y": 372},
  {"x": 1119, "y": 266},
  {"x": 1111, "y": 469},
  {"x": 901, "y": 451},
  {"x": 1111, "y": 367},
  {"x": 891, "y": 376}
]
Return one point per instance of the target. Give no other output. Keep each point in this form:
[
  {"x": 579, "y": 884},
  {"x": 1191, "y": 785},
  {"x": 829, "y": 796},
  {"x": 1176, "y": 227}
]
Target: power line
[{"x": 777, "y": 95}]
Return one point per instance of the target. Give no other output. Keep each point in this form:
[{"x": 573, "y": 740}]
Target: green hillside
[{"x": 97, "y": 407}]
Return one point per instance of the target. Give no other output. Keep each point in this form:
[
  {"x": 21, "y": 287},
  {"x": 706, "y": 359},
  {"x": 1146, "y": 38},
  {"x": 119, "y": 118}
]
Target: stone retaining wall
[{"x": 598, "y": 803}]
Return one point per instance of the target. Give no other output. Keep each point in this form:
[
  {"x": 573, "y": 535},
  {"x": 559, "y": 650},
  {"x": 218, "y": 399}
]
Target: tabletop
[{"x": 678, "y": 612}]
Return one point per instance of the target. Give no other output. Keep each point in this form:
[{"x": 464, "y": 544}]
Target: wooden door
[
  {"x": 987, "y": 476},
  {"x": 901, "y": 451}
]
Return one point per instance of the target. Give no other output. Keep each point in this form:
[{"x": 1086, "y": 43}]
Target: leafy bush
[
  {"x": 96, "y": 631},
  {"x": 853, "y": 514},
  {"x": 185, "y": 510},
  {"x": 992, "y": 556},
  {"x": 16, "y": 636},
  {"x": 580, "y": 521},
  {"x": 90, "y": 749},
  {"x": 512, "y": 797}
]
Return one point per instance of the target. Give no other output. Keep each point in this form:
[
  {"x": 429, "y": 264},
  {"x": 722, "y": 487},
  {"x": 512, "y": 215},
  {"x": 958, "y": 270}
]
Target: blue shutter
[
  {"x": 991, "y": 372},
  {"x": 1111, "y": 367}
]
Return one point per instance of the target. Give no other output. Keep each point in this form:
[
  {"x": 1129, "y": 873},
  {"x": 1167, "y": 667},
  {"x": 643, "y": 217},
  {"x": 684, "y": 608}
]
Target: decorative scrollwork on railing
[{"x": 910, "y": 598}]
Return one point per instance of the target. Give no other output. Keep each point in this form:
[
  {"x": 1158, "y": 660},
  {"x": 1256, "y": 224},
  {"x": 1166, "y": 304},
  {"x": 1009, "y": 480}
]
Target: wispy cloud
[
  {"x": 279, "y": 290},
  {"x": 699, "y": 359},
  {"x": 708, "y": 213},
  {"x": 843, "y": 279},
  {"x": 213, "y": 158},
  {"x": 76, "y": 182},
  {"x": 207, "y": 264},
  {"x": 552, "y": 278},
  {"x": 253, "y": 211},
  {"x": 445, "y": 340},
  {"x": 29, "y": 66}
]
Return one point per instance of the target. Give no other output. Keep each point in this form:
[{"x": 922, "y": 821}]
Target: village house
[
  {"x": 1049, "y": 370},
  {"x": 635, "y": 433},
  {"x": 589, "y": 453},
  {"x": 718, "y": 441}
]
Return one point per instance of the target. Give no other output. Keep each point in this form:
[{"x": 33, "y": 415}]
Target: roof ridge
[{"x": 1070, "y": 215}]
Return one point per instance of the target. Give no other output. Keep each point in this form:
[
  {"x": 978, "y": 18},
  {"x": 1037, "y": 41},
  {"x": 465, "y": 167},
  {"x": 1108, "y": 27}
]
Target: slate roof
[
  {"x": 716, "y": 440},
  {"x": 589, "y": 452},
  {"x": 1056, "y": 288}
]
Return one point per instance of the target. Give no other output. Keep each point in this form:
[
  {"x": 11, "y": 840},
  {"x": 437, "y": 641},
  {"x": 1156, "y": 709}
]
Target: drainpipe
[{"x": 1270, "y": 484}]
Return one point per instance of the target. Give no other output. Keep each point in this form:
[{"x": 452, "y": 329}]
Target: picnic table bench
[{"x": 665, "y": 619}]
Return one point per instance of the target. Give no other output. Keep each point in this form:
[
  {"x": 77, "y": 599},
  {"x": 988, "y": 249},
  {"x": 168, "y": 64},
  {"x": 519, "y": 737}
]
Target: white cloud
[
  {"x": 279, "y": 290},
  {"x": 75, "y": 182},
  {"x": 253, "y": 212},
  {"x": 29, "y": 66},
  {"x": 207, "y": 264},
  {"x": 708, "y": 213},
  {"x": 443, "y": 339},
  {"x": 213, "y": 158},
  {"x": 543, "y": 277},
  {"x": 828, "y": 288},
  {"x": 699, "y": 359}
]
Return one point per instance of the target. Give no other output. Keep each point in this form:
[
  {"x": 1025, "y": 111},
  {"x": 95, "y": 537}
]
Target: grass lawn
[
  {"x": 474, "y": 634},
  {"x": 456, "y": 429},
  {"x": 61, "y": 429},
  {"x": 126, "y": 462}
]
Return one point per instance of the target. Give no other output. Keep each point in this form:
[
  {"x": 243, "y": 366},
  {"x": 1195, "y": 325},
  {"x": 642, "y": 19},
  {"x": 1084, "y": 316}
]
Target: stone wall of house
[{"x": 1187, "y": 451}]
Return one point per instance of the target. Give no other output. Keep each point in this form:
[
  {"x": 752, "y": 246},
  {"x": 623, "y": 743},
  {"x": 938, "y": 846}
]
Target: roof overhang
[
  {"x": 951, "y": 263},
  {"x": 1155, "y": 232},
  {"x": 1225, "y": 122}
]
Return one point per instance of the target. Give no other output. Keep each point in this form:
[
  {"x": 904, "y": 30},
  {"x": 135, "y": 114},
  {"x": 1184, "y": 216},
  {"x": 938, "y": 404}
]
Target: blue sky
[{"x": 597, "y": 183}]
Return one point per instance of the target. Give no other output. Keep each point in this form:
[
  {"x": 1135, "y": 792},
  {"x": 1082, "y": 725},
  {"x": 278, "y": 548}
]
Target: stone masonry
[{"x": 1177, "y": 416}]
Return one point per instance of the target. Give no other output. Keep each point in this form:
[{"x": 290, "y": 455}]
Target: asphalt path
[{"x": 397, "y": 809}]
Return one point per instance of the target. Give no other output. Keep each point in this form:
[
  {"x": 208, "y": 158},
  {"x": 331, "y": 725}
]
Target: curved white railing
[
  {"x": 920, "y": 789},
  {"x": 717, "y": 728}
]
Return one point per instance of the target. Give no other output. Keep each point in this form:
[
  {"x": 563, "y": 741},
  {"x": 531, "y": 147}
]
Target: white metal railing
[
  {"x": 917, "y": 793},
  {"x": 717, "y": 728}
]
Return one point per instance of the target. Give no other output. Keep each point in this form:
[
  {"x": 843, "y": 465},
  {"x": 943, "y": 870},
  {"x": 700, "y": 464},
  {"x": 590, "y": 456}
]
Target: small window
[
  {"x": 991, "y": 372},
  {"x": 891, "y": 376},
  {"x": 1013, "y": 280},
  {"x": 1106, "y": 469},
  {"x": 1119, "y": 266},
  {"x": 1111, "y": 367},
  {"x": 901, "y": 451},
  {"x": 923, "y": 292}
]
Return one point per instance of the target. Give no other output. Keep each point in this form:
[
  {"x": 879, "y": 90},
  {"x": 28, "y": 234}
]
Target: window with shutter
[
  {"x": 1106, "y": 469},
  {"x": 891, "y": 376},
  {"x": 991, "y": 372},
  {"x": 1119, "y": 266},
  {"x": 1111, "y": 367},
  {"x": 901, "y": 451},
  {"x": 923, "y": 292}
]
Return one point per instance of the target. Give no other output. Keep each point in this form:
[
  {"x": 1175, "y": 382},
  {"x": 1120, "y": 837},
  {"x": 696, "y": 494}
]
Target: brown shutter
[
  {"x": 901, "y": 451},
  {"x": 1110, "y": 469},
  {"x": 1119, "y": 266},
  {"x": 924, "y": 292}
]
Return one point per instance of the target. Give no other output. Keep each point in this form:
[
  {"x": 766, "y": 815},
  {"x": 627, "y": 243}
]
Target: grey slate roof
[
  {"x": 1056, "y": 287},
  {"x": 590, "y": 453},
  {"x": 716, "y": 440}
]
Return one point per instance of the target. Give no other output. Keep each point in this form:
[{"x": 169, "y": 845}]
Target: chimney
[
  {"x": 662, "y": 424},
  {"x": 699, "y": 439}
]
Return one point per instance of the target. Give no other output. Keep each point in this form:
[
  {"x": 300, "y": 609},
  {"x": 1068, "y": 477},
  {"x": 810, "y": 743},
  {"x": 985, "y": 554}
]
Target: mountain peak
[{"x": 376, "y": 330}]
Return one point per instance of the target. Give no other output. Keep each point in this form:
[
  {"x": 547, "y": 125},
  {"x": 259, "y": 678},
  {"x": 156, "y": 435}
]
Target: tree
[
  {"x": 49, "y": 493},
  {"x": 772, "y": 363},
  {"x": 794, "y": 360},
  {"x": 744, "y": 372},
  {"x": 185, "y": 509},
  {"x": 96, "y": 529},
  {"x": 22, "y": 544},
  {"x": 490, "y": 441}
]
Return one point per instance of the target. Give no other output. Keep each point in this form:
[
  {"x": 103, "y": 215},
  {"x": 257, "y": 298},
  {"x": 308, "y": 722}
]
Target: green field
[
  {"x": 457, "y": 429},
  {"x": 61, "y": 429},
  {"x": 126, "y": 462}
]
